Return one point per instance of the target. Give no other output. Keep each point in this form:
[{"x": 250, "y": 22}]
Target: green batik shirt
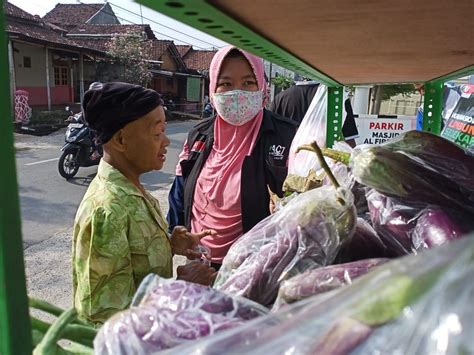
[{"x": 120, "y": 236}]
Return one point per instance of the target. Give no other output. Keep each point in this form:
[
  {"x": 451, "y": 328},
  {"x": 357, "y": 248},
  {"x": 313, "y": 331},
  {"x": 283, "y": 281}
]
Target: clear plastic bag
[
  {"x": 166, "y": 313},
  {"x": 407, "y": 228},
  {"x": 324, "y": 279},
  {"x": 312, "y": 128},
  {"x": 418, "y": 304},
  {"x": 307, "y": 232},
  {"x": 365, "y": 244}
]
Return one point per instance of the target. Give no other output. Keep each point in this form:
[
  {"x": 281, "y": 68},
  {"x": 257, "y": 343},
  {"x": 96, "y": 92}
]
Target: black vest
[{"x": 265, "y": 168}]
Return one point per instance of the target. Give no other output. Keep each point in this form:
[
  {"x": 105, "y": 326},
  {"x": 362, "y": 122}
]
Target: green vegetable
[
  {"x": 74, "y": 332},
  {"x": 48, "y": 345},
  {"x": 388, "y": 302},
  {"x": 51, "y": 309}
]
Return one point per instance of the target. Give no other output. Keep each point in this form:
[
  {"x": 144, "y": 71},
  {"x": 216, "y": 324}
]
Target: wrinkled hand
[
  {"x": 183, "y": 242},
  {"x": 197, "y": 273}
]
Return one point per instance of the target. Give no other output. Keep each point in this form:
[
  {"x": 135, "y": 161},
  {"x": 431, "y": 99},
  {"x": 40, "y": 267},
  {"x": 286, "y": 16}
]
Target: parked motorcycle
[{"x": 79, "y": 149}]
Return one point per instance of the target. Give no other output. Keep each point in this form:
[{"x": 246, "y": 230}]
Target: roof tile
[
  {"x": 65, "y": 15},
  {"x": 199, "y": 59}
]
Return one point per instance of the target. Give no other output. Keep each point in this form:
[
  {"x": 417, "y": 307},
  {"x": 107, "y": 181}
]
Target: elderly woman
[
  {"x": 231, "y": 161},
  {"x": 120, "y": 234}
]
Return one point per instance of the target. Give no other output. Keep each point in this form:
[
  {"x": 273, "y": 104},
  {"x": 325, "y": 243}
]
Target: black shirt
[{"x": 295, "y": 101}]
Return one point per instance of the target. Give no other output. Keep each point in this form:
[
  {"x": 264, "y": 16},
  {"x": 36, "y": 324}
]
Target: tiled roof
[
  {"x": 159, "y": 47},
  {"x": 98, "y": 44},
  {"x": 66, "y": 15},
  {"x": 24, "y": 25},
  {"x": 14, "y": 11},
  {"x": 107, "y": 29},
  {"x": 199, "y": 60},
  {"x": 37, "y": 32},
  {"x": 183, "y": 49}
]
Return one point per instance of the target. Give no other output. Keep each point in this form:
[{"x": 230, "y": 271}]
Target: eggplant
[
  {"x": 365, "y": 244},
  {"x": 437, "y": 153},
  {"x": 393, "y": 221},
  {"x": 417, "y": 167},
  {"x": 308, "y": 231},
  {"x": 323, "y": 279},
  {"x": 435, "y": 227}
]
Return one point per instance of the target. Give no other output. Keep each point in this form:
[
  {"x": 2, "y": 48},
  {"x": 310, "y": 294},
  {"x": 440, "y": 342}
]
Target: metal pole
[
  {"x": 15, "y": 332},
  {"x": 48, "y": 85},
  {"x": 11, "y": 62},
  {"x": 433, "y": 106},
  {"x": 81, "y": 75},
  {"x": 334, "y": 115}
]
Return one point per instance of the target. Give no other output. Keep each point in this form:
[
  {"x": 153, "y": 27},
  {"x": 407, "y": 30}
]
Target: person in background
[
  {"x": 120, "y": 234},
  {"x": 230, "y": 161},
  {"x": 295, "y": 101}
]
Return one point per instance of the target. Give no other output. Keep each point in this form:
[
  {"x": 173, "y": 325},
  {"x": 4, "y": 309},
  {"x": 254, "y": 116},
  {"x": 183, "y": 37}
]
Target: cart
[{"x": 336, "y": 42}]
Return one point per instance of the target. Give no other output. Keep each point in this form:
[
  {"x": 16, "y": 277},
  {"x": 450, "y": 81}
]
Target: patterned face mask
[{"x": 237, "y": 107}]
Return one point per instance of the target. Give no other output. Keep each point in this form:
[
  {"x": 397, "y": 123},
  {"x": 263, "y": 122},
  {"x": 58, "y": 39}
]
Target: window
[
  {"x": 60, "y": 76},
  {"x": 26, "y": 62}
]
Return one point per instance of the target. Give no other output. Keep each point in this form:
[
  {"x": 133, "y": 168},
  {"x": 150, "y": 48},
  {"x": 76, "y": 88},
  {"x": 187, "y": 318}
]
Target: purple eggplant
[
  {"x": 396, "y": 174},
  {"x": 323, "y": 279},
  {"x": 307, "y": 232},
  {"x": 365, "y": 244},
  {"x": 435, "y": 227},
  {"x": 394, "y": 222},
  {"x": 439, "y": 154}
]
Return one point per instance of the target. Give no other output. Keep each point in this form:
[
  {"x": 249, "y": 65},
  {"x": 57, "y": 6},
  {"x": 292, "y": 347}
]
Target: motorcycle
[{"x": 78, "y": 151}]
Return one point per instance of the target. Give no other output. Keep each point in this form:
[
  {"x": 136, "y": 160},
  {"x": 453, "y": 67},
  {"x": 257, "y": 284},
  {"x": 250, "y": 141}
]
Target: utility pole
[{"x": 141, "y": 14}]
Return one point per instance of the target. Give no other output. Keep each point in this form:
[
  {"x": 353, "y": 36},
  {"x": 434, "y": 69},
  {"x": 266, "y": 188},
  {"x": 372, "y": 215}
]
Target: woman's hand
[
  {"x": 197, "y": 273},
  {"x": 183, "y": 242}
]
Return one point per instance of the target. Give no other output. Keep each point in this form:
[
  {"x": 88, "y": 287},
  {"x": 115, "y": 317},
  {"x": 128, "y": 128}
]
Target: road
[{"x": 48, "y": 202}]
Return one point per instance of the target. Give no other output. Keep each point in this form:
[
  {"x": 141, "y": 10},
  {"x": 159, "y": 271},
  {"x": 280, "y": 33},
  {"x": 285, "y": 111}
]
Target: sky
[{"x": 164, "y": 27}]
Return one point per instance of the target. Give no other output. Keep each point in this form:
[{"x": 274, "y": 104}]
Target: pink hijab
[{"x": 217, "y": 195}]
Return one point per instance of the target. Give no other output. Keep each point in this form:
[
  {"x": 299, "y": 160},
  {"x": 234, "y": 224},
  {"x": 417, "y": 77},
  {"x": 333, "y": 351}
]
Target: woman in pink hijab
[{"x": 230, "y": 161}]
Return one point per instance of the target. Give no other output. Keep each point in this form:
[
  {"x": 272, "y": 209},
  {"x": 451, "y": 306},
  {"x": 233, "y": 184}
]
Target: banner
[
  {"x": 374, "y": 129},
  {"x": 460, "y": 125}
]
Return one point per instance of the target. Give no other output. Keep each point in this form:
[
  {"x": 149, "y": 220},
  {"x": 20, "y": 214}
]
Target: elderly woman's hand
[
  {"x": 184, "y": 242},
  {"x": 197, "y": 273}
]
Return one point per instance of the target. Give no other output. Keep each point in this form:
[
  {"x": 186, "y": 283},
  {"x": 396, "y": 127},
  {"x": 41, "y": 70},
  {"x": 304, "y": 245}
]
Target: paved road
[{"x": 49, "y": 202}]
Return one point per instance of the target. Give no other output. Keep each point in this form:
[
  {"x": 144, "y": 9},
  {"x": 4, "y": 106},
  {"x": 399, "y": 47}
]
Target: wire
[
  {"x": 160, "y": 24},
  {"x": 133, "y": 23}
]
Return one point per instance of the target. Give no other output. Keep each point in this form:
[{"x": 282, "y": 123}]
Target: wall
[
  {"x": 33, "y": 80},
  {"x": 34, "y": 76},
  {"x": 169, "y": 62},
  {"x": 401, "y": 105}
]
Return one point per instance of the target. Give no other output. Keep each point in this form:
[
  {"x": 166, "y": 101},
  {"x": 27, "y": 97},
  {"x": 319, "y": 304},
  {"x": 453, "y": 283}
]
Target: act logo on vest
[{"x": 277, "y": 151}]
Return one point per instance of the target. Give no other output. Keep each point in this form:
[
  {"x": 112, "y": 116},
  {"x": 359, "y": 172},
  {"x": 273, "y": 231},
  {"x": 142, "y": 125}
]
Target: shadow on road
[{"x": 82, "y": 180}]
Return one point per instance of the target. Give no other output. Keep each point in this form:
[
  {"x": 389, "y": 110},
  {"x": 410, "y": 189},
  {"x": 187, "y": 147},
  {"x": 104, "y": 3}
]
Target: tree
[
  {"x": 282, "y": 82},
  {"x": 131, "y": 52},
  {"x": 385, "y": 92}
]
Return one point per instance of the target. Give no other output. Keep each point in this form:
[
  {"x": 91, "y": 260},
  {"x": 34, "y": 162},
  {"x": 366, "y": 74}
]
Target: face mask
[{"x": 237, "y": 107}]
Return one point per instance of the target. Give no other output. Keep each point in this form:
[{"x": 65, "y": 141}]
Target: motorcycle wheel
[{"x": 68, "y": 166}]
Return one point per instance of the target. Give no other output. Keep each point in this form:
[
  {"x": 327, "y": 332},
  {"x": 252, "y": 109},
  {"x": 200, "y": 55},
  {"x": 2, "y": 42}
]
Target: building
[
  {"x": 57, "y": 57},
  {"x": 43, "y": 61}
]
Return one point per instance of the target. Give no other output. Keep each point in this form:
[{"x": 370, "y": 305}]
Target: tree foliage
[
  {"x": 130, "y": 51},
  {"x": 398, "y": 89},
  {"x": 283, "y": 82}
]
